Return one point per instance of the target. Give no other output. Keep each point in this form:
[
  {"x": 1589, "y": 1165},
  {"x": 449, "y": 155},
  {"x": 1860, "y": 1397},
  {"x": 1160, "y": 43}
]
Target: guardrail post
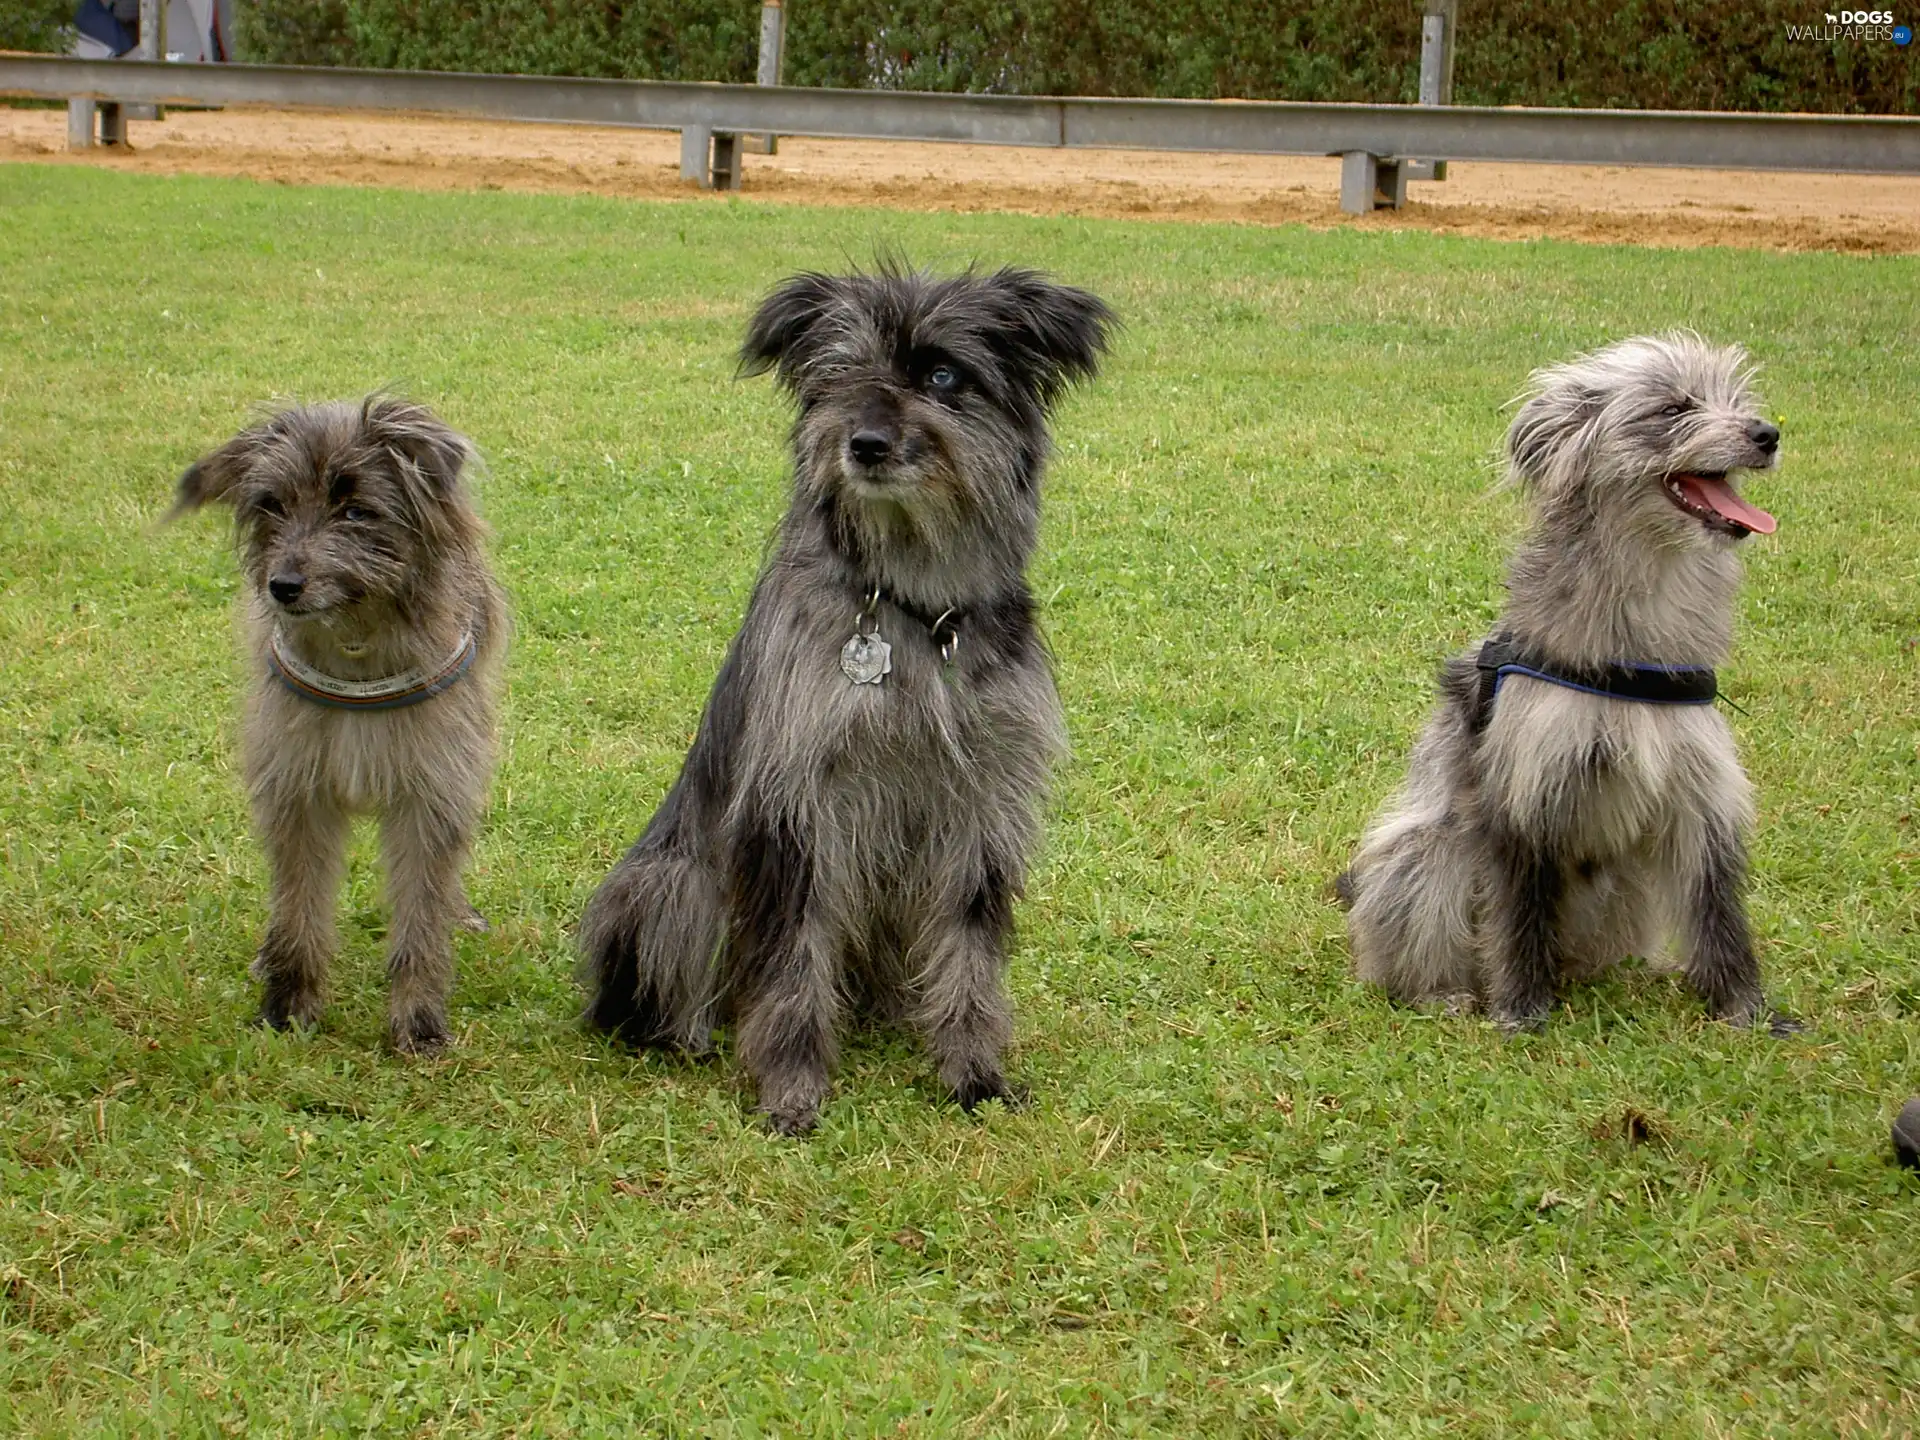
[
  {"x": 152, "y": 45},
  {"x": 773, "y": 59},
  {"x": 696, "y": 154},
  {"x": 1437, "y": 27},
  {"x": 1371, "y": 182},
  {"x": 80, "y": 124},
  {"x": 113, "y": 124},
  {"x": 711, "y": 157},
  {"x": 726, "y": 161}
]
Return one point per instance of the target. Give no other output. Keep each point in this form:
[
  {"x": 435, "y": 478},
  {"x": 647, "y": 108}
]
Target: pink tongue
[{"x": 1718, "y": 496}]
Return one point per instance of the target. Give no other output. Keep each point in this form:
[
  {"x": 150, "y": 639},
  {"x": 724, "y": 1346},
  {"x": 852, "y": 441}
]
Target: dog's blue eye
[
  {"x": 356, "y": 513},
  {"x": 941, "y": 377},
  {"x": 1673, "y": 410}
]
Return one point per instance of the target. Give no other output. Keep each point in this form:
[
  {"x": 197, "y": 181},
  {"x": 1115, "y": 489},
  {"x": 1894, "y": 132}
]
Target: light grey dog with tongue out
[{"x": 1576, "y": 797}]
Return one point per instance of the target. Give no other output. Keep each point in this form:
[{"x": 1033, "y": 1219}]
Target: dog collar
[
  {"x": 1504, "y": 655},
  {"x": 389, "y": 692},
  {"x": 867, "y": 659}
]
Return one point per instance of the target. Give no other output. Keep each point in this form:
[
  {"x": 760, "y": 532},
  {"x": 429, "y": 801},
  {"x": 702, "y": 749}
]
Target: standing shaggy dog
[
  {"x": 1576, "y": 798},
  {"x": 855, "y": 819},
  {"x": 376, "y": 632}
]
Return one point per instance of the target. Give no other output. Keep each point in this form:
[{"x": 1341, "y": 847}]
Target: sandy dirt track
[{"x": 1860, "y": 214}]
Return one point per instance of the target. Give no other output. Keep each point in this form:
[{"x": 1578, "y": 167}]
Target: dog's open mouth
[{"x": 1711, "y": 500}]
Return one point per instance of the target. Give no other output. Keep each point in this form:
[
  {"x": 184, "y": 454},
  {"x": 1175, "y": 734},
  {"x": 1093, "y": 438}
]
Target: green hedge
[
  {"x": 34, "y": 24},
  {"x": 1654, "y": 54}
]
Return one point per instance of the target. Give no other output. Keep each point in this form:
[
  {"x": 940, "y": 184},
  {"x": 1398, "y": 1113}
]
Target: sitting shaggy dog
[
  {"x": 854, "y": 822},
  {"x": 1576, "y": 798},
  {"x": 375, "y": 632}
]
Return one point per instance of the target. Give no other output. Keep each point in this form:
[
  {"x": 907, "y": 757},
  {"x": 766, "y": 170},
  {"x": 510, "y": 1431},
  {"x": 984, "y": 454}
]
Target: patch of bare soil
[{"x": 1861, "y": 214}]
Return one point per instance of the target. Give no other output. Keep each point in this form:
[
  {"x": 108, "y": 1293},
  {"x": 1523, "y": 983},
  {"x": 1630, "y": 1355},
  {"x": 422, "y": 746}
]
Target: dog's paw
[
  {"x": 970, "y": 1095},
  {"x": 1906, "y": 1134},
  {"x": 1515, "y": 1027},
  {"x": 420, "y": 1034},
  {"x": 288, "y": 1009},
  {"x": 792, "y": 1121},
  {"x": 790, "y": 1098},
  {"x": 1755, "y": 1015}
]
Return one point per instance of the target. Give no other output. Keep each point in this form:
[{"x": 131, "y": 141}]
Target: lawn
[{"x": 1249, "y": 1197}]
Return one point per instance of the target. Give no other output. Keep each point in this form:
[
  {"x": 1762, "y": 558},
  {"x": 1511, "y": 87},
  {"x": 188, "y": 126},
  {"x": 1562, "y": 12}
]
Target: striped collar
[{"x": 389, "y": 692}]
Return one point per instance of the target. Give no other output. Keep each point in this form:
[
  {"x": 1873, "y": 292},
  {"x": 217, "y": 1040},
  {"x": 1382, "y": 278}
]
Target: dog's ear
[
  {"x": 1055, "y": 334},
  {"x": 1545, "y": 435},
  {"x": 418, "y": 436},
  {"x": 213, "y": 476},
  {"x": 786, "y": 328}
]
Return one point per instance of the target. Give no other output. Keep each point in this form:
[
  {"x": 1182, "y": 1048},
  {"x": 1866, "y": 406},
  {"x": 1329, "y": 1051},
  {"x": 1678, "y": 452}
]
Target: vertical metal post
[
  {"x": 726, "y": 161},
  {"x": 696, "y": 155},
  {"x": 1371, "y": 182},
  {"x": 113, "y": 123},
  {"x": 152, "y": 46},
  {"x": 80, "y": 124},
  {"x": 1357, "y": 173},
  {"x": 1437, "y": 25},
  {"x": 773, "y": 59}
]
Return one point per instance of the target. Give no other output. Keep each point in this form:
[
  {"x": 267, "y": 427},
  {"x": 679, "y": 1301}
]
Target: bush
[
  {"x": 1650, "y": 54},
  {"x": 35, "y": 24},
  {"x": 294, "y": 32}
]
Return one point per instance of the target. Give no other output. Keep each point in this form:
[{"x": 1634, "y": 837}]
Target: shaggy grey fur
[
  {"x": 360, "y": 543},
  {"x": 832, "y": 845},
  {"x": 1576, "y": 829}
]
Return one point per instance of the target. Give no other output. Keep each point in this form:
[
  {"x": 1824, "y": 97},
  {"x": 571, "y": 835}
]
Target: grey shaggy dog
[
  {"x": 1545, "y": 831},
  {"x": 854, "y": 822},
  {"x": 375, "y": 633}
]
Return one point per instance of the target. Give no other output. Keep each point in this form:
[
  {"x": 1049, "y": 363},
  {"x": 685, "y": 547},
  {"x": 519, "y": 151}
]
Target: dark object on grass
[
  {"x": 854, "y": 822},
  {"x": 375, "y": 632},
  {"x": 1906, "y": 1134},
  {"x": 1575, "y": 798}
]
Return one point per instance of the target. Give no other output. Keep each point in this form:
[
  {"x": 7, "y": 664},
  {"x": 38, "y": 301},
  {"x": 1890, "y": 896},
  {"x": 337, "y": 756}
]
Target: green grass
[{"x": 1250, "y": 1197}]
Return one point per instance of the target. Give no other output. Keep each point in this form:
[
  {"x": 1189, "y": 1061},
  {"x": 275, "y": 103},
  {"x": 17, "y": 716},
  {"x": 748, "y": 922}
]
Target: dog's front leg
[
  {"x": 306, "y": 841},
  {"x": 1522, "y": 893},
  {"x": 789, "y": 1012},
  {"x": 424, "y": 842},
  {"x": 962, "y": 1006},
  {"x": 786, "y": 974},
  {"x": 1720, "y": 963}
]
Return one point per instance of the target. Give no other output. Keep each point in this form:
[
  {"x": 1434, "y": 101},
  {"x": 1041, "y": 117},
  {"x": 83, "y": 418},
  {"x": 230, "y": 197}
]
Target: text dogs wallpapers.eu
[{"x": 854, "y": 822}]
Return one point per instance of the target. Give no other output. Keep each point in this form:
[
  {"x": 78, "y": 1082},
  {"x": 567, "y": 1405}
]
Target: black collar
[{"x": 1506, "y": 655}]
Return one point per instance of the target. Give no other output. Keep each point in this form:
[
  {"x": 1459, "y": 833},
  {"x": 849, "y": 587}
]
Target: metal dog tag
[{"x": 866, "y": 659}]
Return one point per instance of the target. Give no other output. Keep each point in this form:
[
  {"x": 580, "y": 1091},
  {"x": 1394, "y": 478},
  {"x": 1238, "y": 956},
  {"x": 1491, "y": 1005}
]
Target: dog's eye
[
  {"x": 356, "y": 513},
  {"x": 267, "y": 505},
  {"x": 942, "y": 377},
  {"x": 1671, "y": 411}
]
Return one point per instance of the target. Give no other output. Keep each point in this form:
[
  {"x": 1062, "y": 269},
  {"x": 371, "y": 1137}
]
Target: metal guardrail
[{"x": 1834, "y": 143}]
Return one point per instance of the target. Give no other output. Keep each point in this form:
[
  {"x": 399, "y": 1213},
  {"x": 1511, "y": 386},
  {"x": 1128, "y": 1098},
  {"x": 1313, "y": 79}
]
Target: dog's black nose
[
  {"x": 1766, "y": 436},
  {"x": 286, "y": 588},
  {"x": 870, "y": 447}
]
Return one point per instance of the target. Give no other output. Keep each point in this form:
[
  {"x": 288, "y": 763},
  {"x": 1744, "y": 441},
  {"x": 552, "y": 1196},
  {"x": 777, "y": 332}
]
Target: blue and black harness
[{"x": 1505, "y": 655}]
